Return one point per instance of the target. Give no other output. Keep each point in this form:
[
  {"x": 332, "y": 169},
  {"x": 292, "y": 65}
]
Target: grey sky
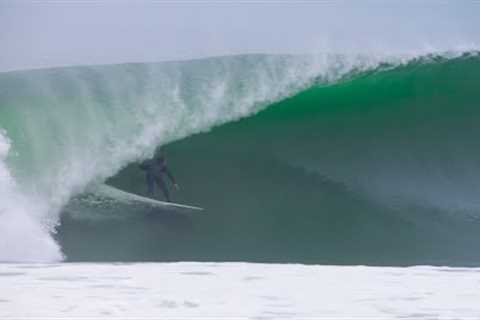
[{"x": 51, "y": 33}]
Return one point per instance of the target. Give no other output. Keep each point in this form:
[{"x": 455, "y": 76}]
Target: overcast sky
[{"x": 52, "y": 33}]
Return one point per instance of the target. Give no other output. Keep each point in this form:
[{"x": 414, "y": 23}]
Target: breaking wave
[{"x": 331, "y": 159}]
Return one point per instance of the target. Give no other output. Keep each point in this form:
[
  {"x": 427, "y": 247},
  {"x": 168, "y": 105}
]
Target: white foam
[
  {"x": 23, "y": 237},
  {"x": 237, "y": 291}
]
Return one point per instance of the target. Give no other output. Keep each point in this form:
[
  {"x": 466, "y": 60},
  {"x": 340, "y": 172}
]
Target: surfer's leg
[
  {"x": 150, "y": 184},
  {"x": 161, "y": 184}
]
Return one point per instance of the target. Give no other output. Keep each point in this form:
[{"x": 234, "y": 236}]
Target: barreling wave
[{"x": 352, "y": 160}]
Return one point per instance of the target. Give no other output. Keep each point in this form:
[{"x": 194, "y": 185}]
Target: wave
[{"x": 346, "y": 151}]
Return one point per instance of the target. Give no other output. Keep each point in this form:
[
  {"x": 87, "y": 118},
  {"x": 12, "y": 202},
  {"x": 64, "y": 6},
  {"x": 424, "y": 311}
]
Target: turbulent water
[
  {"x": 187, "y": 290},
  {"x": 325, "y": 159}
]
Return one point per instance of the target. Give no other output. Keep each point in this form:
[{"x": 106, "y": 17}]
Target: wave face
[{"x": 352, "y": 160}]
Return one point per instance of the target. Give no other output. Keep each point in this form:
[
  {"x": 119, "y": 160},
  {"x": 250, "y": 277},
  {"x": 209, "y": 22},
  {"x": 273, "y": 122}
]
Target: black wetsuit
[{"x": 155, "y": 170}]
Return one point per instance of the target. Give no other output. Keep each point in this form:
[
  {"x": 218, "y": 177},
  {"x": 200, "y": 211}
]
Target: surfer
[{"x": 155, "y": 170}]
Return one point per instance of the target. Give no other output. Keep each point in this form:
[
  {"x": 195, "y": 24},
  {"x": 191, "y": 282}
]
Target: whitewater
[{"x": 236, "y": 291}]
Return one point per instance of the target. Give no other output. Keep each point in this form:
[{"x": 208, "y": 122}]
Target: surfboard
[{"x": 109, "y": 200}]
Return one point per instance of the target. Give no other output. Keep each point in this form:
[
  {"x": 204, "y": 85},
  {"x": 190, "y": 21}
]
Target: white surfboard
[
  {"x": 110, "y": 201},
  {"x": 123, "y": 196}
]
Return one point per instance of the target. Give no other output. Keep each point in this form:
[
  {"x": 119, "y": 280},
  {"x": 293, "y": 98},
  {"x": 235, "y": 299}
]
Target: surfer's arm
[{"x": 170, "y": 176}]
